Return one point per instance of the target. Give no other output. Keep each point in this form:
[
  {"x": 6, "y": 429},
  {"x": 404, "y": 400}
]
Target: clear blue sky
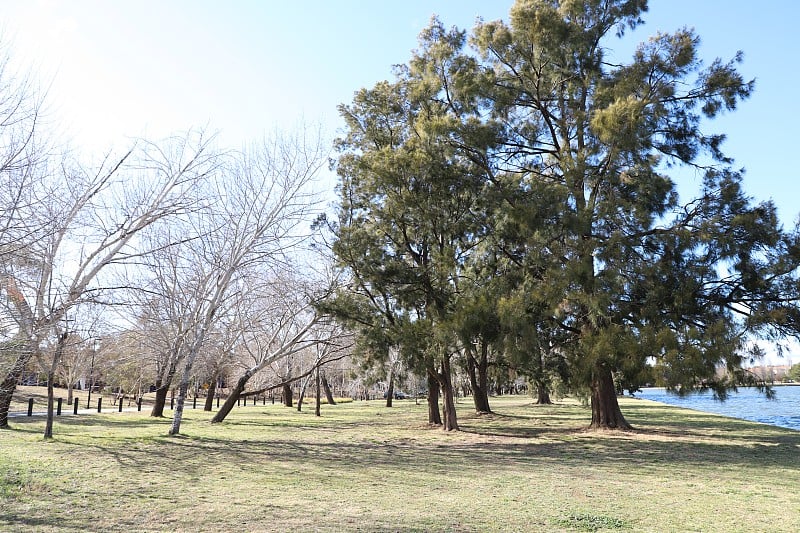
[{"x": 150, "y": 67}]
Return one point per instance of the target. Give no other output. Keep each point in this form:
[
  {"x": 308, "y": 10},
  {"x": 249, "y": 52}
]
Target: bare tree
[
  {"x": 262, "y": 198},
  {"x": 89, "y": 223}
]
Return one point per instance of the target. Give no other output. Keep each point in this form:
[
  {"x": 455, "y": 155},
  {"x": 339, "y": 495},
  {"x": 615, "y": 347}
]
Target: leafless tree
[
  {"x": 261, "y": 200},
  {"x": 90, "y": 223}
]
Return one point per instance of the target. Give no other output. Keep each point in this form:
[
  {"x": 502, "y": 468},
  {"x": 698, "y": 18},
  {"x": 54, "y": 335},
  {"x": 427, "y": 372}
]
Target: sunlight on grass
[{"x": 364, "y": 467}]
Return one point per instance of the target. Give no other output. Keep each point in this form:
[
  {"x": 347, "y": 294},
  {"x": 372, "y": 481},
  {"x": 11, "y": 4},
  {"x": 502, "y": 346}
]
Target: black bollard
[
  {"x": 172, "y": 403},
  {"x": 194, "y": 403},
  {"x": 120, "y": 405},
  {"x": 30, "y": 406},
  {"x": 264, "y": 400},
  {"x": 58, "y": 407},
  {"x": 245, "y": 401},
  {"x": 273, "y": 398},
  {"x": 139, "y": 404},
  {"x": 217, "y": 400},
  {"x": 75, "y": 408},
  {"x": 99, "y": 404}
]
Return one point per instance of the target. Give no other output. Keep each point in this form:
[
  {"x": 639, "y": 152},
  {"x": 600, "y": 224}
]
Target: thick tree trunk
[
  {"x": 450, "y": 421},
  {"x": 212, "y": 390},
  {"x": 287, "y": 395},
  {"x": 434, "y": 417},
  {"x": 543, "y": 394},
  {"x": 70, "y": 394},
  {"x": 478, "y": 380},
  {"x": 9, "y": 384},
  {"x": 230, "y": 403},
  {"x": 160, "y": 401},
  {"x": 390, "y": 391},
  {"x": 326, "y": 388},
  {"x": 606, "y": 413}
]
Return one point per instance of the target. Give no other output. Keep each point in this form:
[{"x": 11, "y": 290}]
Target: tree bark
[
  {"x": 390, "y": 391},
  {"x": 434, "y": 416},
  {"x": 9, "y": 384},
  {"x": 161, "y": 400},
  {"x": 51, "y": 374},
  {"x": 606, "y": 413},
  {"x": 543, "y": 394},
  {"x": 326, "y": 388},
  {"x": 230, "y": 402},
  {"x": 318, "y": 398},
  {"x": 287, "y": 395},
  {"x": 450, "y": 421},
  {"x": 177, "y": 415},
  {"x": 212, "y": 389},
  {"x": 48, "y": 425},
  {"x": 478, "y": 380}
]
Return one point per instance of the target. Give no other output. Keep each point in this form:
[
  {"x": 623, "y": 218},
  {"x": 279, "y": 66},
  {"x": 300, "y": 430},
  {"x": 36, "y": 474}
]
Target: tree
[
  {"x": 89, "y": 225},
  {"x": 640, "y": 275},
  {"x": 261, "y": 199},
  {"x": 409, "y": 213}
]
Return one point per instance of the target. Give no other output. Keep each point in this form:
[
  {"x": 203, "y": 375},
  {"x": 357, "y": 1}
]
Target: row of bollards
[{"x": 59, "y": 402}]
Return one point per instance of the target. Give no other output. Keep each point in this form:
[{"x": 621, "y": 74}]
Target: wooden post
[
  {"x": 30, "y": 406},
  {"x": 75, "y": 408},
  {"x": 99, "y": 404},
  {"x": 58, "y": 407},
  {"x": 139, "y": 404}
]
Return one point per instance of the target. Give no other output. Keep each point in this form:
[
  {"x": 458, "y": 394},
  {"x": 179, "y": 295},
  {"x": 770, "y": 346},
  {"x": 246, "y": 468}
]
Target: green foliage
[
  {"x": 512, "y": 187},
  {"x": 794, "y": 373}
]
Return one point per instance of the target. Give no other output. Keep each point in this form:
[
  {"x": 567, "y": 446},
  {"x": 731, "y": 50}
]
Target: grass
[{"x": 363, "y": 467}]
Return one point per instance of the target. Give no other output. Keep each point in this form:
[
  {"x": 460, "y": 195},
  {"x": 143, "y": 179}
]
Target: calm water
[{"x": 747, "y": 404}]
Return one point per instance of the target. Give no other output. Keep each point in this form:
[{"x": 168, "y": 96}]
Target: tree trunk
[
  {"x": 478, "y": 380},
  {"x": 287, "y": 395},
  {"x": 318, "y": 399},
  {"x": 434, "y": 417},
  {"x": 450, "y": 422},
  {"x": 160, "y": 401},
  {"x": 230, "y": 402},
  {"x": 212, "y": 389},
  {"x": 606, "y": 413},
  {"x": 390, "y": 391},
  {"x": 177, "y": 414},
  {"x": 48, "y": 425},
  {"x": 326, "y": 388},
  {"x": 542, "y": 394},
  {"x": 10, "y": 383},
  {"x": 302, "y": 394},
  {"x": 70, "y": 394},
  {"x": 51, "y": 374}
]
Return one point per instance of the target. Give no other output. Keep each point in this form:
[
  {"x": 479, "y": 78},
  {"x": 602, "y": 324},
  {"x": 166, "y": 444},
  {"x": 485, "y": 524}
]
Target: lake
[{"x": 747, "y": 404}]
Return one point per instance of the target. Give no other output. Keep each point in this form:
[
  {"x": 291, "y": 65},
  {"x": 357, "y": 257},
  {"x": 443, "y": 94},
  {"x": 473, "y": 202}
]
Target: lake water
[{"x": 747, "y": 404}]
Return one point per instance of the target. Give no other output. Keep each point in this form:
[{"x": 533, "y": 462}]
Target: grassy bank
[{"x": 363, "y": 467}]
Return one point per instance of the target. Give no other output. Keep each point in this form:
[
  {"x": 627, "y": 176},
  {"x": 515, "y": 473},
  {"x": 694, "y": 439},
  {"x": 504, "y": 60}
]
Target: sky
[
  {"x": 119, "y": 69},
  {"x": 116, "y": 70}
]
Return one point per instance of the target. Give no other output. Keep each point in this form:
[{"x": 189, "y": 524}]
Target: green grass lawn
[{"x": 364, "y": 467}]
